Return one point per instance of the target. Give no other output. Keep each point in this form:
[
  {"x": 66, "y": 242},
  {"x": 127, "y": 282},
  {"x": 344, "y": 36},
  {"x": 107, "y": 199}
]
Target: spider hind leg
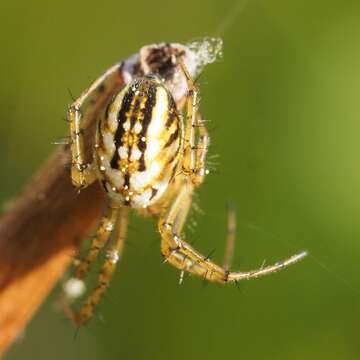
[
  {"x": 180, "y": 254},
  {"x": 114, "y": 251}
]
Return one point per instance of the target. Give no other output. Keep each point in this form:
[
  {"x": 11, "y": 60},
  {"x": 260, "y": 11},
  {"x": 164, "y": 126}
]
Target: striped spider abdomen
[{"x": 138, "y": 143}]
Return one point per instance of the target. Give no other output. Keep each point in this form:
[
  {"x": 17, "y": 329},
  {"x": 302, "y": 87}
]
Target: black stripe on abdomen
[
  {"x": 125, "y": 107},
  {"x": 173, "y": 137},
  {"x": 150, "y": 103}
]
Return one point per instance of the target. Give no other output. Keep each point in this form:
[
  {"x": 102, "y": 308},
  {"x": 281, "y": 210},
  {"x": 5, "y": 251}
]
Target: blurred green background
[{"x": 285, "y": 111}]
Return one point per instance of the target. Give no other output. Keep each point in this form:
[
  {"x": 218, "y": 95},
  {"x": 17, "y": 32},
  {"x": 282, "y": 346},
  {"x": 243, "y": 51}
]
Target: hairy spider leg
[
  {"x": 113, "y": 255},
  {"x": 103, "y": 233},
  {"x": 83, "y": 174},
  {"x": 194, "y": 156},
  {"x": 176, "y": 251}
]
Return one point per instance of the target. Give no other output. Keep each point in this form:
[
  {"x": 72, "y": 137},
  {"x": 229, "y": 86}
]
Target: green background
[{"x": 285, "y": 119}]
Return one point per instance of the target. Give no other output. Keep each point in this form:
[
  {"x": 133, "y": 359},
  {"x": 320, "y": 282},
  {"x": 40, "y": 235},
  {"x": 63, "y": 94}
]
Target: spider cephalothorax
[{"x": 149, "y": 155}]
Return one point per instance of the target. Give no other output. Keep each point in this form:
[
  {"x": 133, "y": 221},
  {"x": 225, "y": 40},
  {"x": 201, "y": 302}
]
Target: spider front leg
[
  {"x": 82, "y": 173},
  {"x": 196, "y": 138},
  {"x": 113, "y": 255}
]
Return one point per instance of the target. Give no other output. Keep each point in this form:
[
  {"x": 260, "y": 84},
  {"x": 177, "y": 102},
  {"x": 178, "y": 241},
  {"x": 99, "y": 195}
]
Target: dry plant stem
[{"x": 41, "y": 230}]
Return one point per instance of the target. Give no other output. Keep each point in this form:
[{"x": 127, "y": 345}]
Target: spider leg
[
  {"x": 173, "y": 248},
  {"x": 113, "y": 255},
  {"x": 195, "y": 132},
  {"x": 82, "y": 173},
  {"x": 184, "y": 257},
  {"x": 201, "y": 151},
  {"x": 231, "y": 228},
  {"x": 103, "y": 233}
]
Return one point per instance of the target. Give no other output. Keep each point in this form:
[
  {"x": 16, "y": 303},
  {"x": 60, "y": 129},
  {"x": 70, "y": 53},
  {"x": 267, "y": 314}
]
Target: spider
[{"x": 150, "y": 157}]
